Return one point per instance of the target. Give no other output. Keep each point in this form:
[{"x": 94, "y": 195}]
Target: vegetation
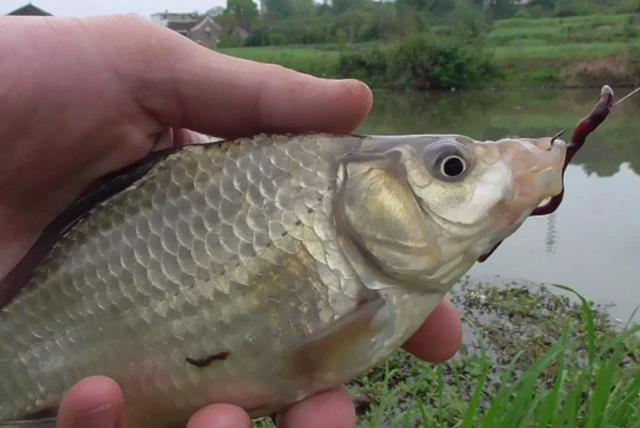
[
  {"x": 428, "y": 44},
  {"x": 426, "y": 62},
  {"x": 319, "y": 62},
  {"x": 533, "y": 358}
]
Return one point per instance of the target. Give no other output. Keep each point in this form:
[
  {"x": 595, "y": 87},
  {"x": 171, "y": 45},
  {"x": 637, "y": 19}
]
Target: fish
[{"x": 258, "y": 271}]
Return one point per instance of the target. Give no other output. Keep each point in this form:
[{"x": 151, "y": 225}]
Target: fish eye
[
  {"x": 453, "y": 166},
  {"x": 447, "y": 161}
]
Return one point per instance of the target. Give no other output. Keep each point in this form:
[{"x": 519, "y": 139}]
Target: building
[
  {"x": 202, "y": 29},
  {"x": 29, "y": 10},
  {"x": 163, "y": 18}
]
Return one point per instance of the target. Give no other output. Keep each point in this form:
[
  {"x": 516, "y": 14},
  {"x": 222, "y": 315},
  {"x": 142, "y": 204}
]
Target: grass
[
  {"x": 568, "y": 52},
  {"x": 590, "y": 20},
  {"x": 583, "y": 29},
  {"x": 534, "y": 359},
  {"x": 319, "y": 62}
]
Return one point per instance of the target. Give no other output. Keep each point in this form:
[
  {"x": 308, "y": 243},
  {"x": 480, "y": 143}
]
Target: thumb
[
  {"x": 181, "y": 84},
  {"x": 95, "y": 402}
]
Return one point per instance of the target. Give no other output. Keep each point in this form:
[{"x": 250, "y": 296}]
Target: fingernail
[{"x": 102, "y": 417}]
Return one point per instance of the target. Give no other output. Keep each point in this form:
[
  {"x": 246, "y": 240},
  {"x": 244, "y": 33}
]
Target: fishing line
[{"x": 635, "y": 91}]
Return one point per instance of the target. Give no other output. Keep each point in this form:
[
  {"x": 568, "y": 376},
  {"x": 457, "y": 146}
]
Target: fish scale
[{"x": 119, "y": 261}]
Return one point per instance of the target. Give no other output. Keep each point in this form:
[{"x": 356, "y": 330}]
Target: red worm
[{"x": 586, "y": 126}]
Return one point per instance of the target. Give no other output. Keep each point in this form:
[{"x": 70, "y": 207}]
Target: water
[{"x": 592, "y": 243}]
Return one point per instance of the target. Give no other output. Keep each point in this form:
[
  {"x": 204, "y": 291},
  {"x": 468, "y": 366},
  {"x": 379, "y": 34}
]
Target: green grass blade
[
  {"x": 630, "y": 395},
  {"x": 502, "y": 397},
  {"x": 600, "y": 398},
  {"x": 523, "y": 393},
  {"x": 550, "y": 405},
  {"x": 590, "y": 322},
  {"x": 472, "y": 410}
]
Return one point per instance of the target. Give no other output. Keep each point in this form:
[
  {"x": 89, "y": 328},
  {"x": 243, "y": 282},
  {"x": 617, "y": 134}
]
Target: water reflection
[{"x": 593, "y": 242}]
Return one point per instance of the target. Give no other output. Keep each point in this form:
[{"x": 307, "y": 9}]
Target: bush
[
  {"x": 565, "y": 8},
  {"x": 368, "y": 65},
  {"x": 544, "y": 76},
  {"x": 229, "y": 41},
  {"x": 277, "y": 39},
  {"x": 258, "y": 37},
  {"x": 427, "y": 62}
]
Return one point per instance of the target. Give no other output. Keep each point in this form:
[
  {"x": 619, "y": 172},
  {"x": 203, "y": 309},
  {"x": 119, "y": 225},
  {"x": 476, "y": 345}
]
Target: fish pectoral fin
[
  {"x": 323, "y": 353},
  {"x": 31, "y": 423}
]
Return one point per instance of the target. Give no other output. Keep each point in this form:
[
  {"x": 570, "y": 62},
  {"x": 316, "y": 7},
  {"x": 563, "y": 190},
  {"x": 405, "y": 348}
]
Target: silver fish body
[{"x": 255, "y": 272}]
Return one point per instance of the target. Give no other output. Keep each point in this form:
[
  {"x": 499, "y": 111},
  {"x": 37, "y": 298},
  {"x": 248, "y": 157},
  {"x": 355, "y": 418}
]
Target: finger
[
  {"x": 183, "y": 84},
  {"x": 440, "y": 336},
  {"x": 95, "y": 402},
  {"x": 329, "y": 409},
  {"x": 220, "y": 416},
  {"x": 183, "y": 137}
]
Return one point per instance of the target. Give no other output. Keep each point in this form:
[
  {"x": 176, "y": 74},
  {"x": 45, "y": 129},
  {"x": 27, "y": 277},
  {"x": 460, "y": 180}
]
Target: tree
[
  {"x": 240, "y": 13},
  {"x": 340, "y": 6},
  {"x": 281, "y": 9},
  {"x": 436, "y": 8}
]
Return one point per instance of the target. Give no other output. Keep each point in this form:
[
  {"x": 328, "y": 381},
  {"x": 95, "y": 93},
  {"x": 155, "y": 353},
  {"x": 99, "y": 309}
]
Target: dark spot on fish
[
  {"x": 309, "y": 210},
  {"x": 204, "y": 362}
]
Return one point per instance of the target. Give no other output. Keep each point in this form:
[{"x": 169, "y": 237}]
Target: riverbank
[
  {"x": 554, "y": 52},
  {"x": 533, "y": 356}
]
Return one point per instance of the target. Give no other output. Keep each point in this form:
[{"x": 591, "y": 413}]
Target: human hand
[{"x": 82, "y": 98}]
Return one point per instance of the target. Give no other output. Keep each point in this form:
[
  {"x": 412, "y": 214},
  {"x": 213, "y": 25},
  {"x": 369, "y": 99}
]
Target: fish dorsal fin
[
  {"x": 33, "y": 423},
  {"x": 98, "y": 192}
]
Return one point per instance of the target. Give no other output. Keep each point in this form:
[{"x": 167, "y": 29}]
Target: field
[
  {"x": 558, "y": 31},
  {"x": 319, "y": 62},
  {"x": 574, "y": 51}
]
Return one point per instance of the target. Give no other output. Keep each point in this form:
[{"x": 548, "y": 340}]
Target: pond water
[{"x": 592, "y": 243}]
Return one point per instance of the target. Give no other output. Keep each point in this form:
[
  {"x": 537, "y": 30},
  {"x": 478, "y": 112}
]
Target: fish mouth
[{"x": 536, "y": 170}]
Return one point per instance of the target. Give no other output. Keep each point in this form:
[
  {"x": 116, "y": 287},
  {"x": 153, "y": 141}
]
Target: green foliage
[
  {"x": 229, "y": 41},
  {"x": 437, "y": 8},
  {"x": 435, "y": 62},
  {"x": 341, "y": 6},
  {"x": 372, "y": 42},
  {"x": 283, "y": 9},
  {"x": 502, "y": 9},
  {"x": 421, "y": 63},
  {"x": 370, "y": 65},
  {"x": 564, "y": 8},
  {"x": 241, "y": 13},
  {"x": 468, "y": 19},
  {"x": 543, "y": 76}
]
